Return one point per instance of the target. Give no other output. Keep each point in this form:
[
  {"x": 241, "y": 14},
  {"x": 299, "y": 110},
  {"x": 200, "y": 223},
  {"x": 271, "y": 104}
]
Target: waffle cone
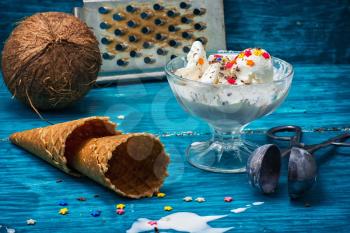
[{"x": 133, "y": 165}]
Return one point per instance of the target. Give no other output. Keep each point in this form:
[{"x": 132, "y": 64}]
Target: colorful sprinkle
[
  {"x": 229, "y": 65},
  {"x": 120, "y": 211},
  {"x": 187, "y": 199},
  {"x": 168, "y": 208},
  {"x": 120, "y": 206},
  {"x": 228, "y": 199},
  {"x": 266, "y": 55},
  {"x": 96, "y": 213},
  {"x": 31, "y": 222},
  {"x": 247, "y": 52},
  {"x": 200, "y": 61},
  {"x": 218, "y": 56},
  {"x": 153, "y": 223},
  {"x": 160, "y": 195},
  {"x": 250, "y": 63},
  {"x": 62, "y": 203},
  {"x": 63, "y": 211},
  {"x": 81, "y": 199},
  {"x": 231, "y": 80},
  {"x": 258, "y": 52},
  {"x": 240, "y": 55},
  {"x": 200, "y": 199}
]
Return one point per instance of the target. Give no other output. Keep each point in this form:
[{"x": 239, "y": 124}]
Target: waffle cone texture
[{"x": 132, "y": 165}]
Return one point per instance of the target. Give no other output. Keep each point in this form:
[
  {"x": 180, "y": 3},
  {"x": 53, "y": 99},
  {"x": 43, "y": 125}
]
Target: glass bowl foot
[{"x": 223, "y": 157}]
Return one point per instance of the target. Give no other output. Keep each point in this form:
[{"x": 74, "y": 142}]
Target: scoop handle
[{"x": 336, "y": 141}]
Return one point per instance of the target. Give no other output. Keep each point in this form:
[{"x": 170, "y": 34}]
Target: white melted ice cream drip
[{"x": 181, "y": 221}]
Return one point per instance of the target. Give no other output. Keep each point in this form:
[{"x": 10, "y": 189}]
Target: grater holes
[
  {"x": 146, "y": 15},
  {"x": 132, "y": 23},
  {"x": 173, "y": 28},
  {"x": 105, "y": 25},
  {"x": 134, "y": 53},
  {"x": 146, "y": 30},
  {"x": 149, "y": 60},
  {"x": 158, "y": 7},
  {"x": 106, "y": 41},
  {"x": 104, "y": 10},
  {"x": 159, "y": 21},
  {"x": 118, "y": 17},
  {"x": 161, "y": 51},
  {"x": 185, "y": 20},
  {"x": 203, "y": 40},
  {"x": 172, "y": 13},
  {"x": 184, "y": 5},
  {"x": 160, "y": 36},
  {"x": 122, "y": 62},
  {"x": 174, "y": 43},
  {"x": 133, "y": 38},
  {"x": 107, "y": 56},
  {"x": 199, "y": 26},
  {"x": 121, "y": 46},
  {"x": 199, "y": 11},
  {"x": 147, "y": 44},
  {"x": 186, "y": 49},
  {"x": 130, "y": 8},
  {"x": 186, "y": 35},
  {"x": 119, "y": 32}
]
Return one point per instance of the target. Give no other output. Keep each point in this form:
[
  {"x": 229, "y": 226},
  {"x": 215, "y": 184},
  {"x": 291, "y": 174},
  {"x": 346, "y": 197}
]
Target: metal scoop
[{"x": 264, "y": 164}]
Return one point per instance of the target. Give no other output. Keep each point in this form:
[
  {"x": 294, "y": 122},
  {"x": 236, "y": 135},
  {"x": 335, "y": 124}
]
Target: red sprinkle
[
  {"x": 231, "y": 80},
  {"x": 247, "y": 53},
  {"x": 266, "y": 55},
  {"x": 217, "y": 55},
  {"x": 228, "y": 65}
]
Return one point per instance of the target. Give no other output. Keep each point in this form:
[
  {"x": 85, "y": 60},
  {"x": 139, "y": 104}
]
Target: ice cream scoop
[
  {"x": 253, "y": 66},
  {"x": 197, "y": 62}
]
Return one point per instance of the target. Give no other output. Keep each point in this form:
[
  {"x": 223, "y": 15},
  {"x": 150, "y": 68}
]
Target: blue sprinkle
[
  {"x": 96, "y": 213},
  {"x": 62, "y": 203}
]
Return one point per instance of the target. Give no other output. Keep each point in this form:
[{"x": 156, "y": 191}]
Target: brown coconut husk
[
  {"x": 51, "y": 60},
  {"x": 132, "y": 165}
]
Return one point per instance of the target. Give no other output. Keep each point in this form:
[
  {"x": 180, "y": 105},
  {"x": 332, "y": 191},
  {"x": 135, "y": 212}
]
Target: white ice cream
[
  {"x": 197, "y": 62},
  {"x": 253, "y": 66}
]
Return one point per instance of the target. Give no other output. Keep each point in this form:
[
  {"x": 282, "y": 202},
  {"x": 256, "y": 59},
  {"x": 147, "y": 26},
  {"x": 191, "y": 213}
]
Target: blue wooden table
[{"x": 319, "y": 102}]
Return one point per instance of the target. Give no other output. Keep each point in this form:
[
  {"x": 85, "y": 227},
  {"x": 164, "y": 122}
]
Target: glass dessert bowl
[{"x": 227, "y": 109}]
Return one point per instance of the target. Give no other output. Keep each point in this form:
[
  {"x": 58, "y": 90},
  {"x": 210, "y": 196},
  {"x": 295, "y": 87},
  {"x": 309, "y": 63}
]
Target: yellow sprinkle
[
  {"x": 63, "y": 211},
  {"x": 168, "y": 208},
  {"x": 258, "y": 52},
  {"x": 160, "y": 195},
  {"x": 241, "y": 55},
  {"x": 120, "y": 206}
]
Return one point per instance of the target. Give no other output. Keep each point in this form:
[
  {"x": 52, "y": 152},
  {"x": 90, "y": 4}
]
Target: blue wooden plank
[{"x": 32, "y": 192}]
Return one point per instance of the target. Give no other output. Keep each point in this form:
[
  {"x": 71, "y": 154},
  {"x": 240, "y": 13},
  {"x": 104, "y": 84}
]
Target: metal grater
[{"x": 137, "y": 38}]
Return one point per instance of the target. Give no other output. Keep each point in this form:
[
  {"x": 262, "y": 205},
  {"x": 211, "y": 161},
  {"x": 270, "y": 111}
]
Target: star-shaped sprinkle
[
  {"x": 168, "y": 208},
  {"x": 200, "y": 199},
  {"x": 247, "y": 52},
  {"x": 231, "y": 80},
  {"x": 240, "y": 55},
  {"x": 258, "y": 52},
  {"x": 266, "y": 55},
  {"x": 120, "y": 211},
  {"x": 63, "y": 211},
  {"x": 96, "y": 213},
  {"x": 81, "y": 199},
  {"x": 153, "y": 223},
  {"x": 62, "y": 203},
  {"x": 250, "y": 63},
  {"x": 160, "y": 195},
  {"x": 228, "y": 199},
  {"x": 120, "y": 206},
  {"x": 200, "y": 61},
  {"x": 31, "y": 222},
  {"x": 187, "y": 199}
]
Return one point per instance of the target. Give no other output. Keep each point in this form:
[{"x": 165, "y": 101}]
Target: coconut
[{"x": 50, "y": 60}]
